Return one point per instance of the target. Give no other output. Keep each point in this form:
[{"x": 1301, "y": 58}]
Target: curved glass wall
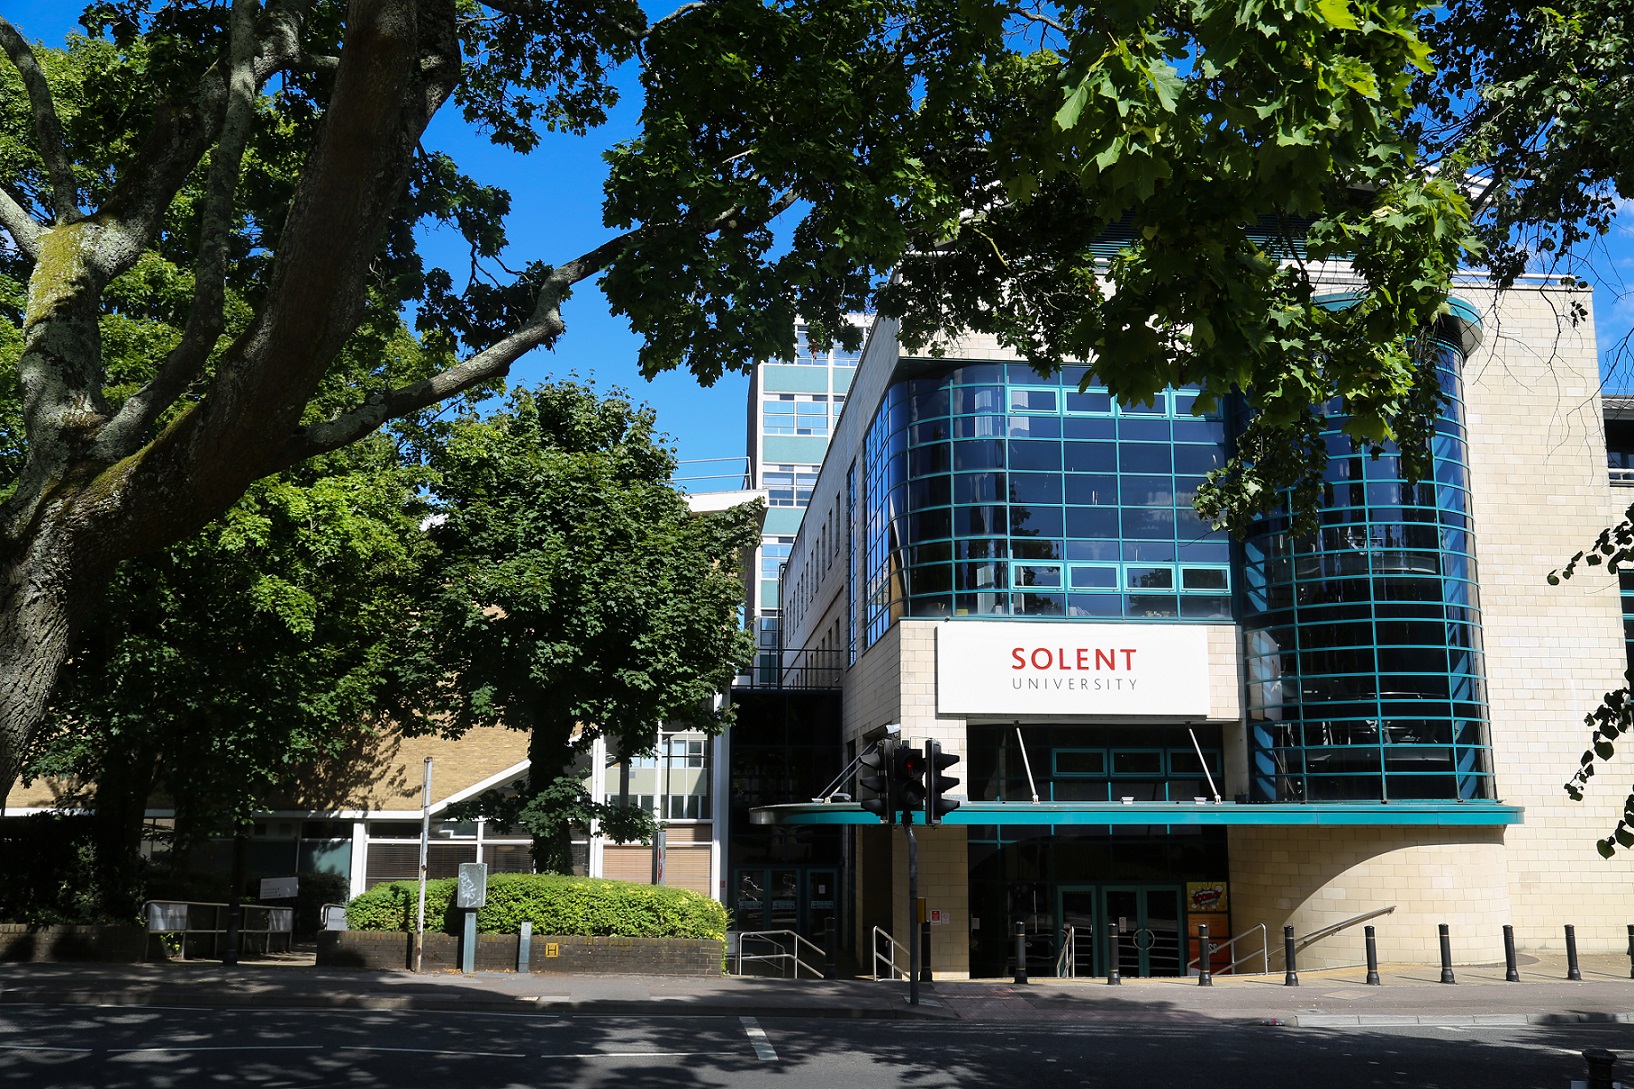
[
  {"x": 1363, "y": 643},
  {"x": 989, "y": 491}
]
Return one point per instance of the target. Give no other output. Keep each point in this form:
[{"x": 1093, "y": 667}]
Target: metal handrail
[
  {"x": 162, "y": 917},
  {"x": 1265, "y": 953},
  {"x": 782, "y": 953},
  {"x": 1329, "y": 931},
  {"x": 893, "y": 971},
  {"x": 1068, "y": 955}
]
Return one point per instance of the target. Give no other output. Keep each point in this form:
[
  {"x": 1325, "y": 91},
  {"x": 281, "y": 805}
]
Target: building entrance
[
  {"x": 1149, "y": 927},
  {"x": 798, "y": 898}
]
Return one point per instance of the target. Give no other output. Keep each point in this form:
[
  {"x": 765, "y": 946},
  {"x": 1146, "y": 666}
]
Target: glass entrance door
[
  {"x": 1148, "y": 918},
  {"x": 1077, "y": 910}
]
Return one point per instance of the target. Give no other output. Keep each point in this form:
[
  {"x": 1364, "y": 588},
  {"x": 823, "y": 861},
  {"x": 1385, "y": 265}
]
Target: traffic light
[
  {"x": 909, "y": 789},
  {"x": 881, "y": 761},
  {"x": 937, "y": 804}
]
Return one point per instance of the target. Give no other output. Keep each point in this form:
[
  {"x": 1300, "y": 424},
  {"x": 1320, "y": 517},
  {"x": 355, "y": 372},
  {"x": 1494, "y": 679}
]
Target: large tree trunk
[{"x": 550, "y": 756}]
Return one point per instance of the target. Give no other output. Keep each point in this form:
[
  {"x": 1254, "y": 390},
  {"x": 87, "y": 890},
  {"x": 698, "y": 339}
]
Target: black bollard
[
  {"x": 1631, "y": 950},
  {"x": 924, "y": 952},
  {"x": 1205, "y": 952},
  {"x": 1021, "y": 951},
  {"x": 1291, "y": 977},
  {"x": 831, "y": 939},
  {"x": 1572, "y": 970},
  {"x": 1600, "y": 1063},
  {"x": 1372, "y": 957},
  {"x": 1446, "y": 955},
  {"x": 1511, "y": 973},
  {"x": 1113, "y": 977}
]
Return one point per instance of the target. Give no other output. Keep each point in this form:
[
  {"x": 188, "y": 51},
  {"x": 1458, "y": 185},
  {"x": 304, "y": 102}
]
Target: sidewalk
[{"x": 1335, "y": 998}]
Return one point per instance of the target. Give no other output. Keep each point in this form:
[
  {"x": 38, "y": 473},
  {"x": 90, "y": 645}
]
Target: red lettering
[
  {"x": 1107, "y": 657},
  {"x": 1021, "y": 663},
  {"x": 1082, "y": 654},
  {"x": 1061, "y": 659},
  {"x": 1129, "y": 659},
  {"x": 1046, "y": 653}
]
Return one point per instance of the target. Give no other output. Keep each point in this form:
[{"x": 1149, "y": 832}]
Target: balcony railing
[{"x": 794, "y": 669}]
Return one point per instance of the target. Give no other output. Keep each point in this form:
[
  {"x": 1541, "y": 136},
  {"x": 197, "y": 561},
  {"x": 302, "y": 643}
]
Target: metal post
[
  {"x": 1446, "y": 955},
  {"x": 1631, "y": 950},
  {"x": 524, "y": 948},
  {"x": 1511, "y": 973},
  {"x": 924, "y": 949},
  {"x": 1600, "y": 1063},
  {"x": 1372, "y": 957},
  {"x": 913, "y": 907},
  {"x": 468, "y": 942},
  {"x": 831, "y": 938},
  {"x": 1021, "y": 952},
  {"x": 1290, "y": 978},
  {"x": 1205, "y": 952},
  {"x": 425, "y": 848},
  {"x": 1113, "y": 976},
  {"x": 1572, "y": 970}
]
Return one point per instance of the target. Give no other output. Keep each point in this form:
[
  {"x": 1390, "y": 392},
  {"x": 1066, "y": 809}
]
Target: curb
[
  {"x": 673, "y": 1007},
  {"x": 1431, "y": 1020}
]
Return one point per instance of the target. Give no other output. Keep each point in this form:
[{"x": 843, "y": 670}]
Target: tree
[
  {"x": 576, "y": 597},
  {"x": 262, "y": 163},
  {"x": 251, "y": 656}
]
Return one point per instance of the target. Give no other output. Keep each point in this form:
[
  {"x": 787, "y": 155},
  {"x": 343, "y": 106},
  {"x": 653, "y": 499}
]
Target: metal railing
[
  {"x": 1066, "y": 961},
  {"x": 785, "y": 954},
  {"x": 192, "y": 922},
  {"x": 1621, "y": 478},
  {"x": 891, "y": 970},
  {"x": 1264, "y": 952},
  {"x": 1329, "y": 931}
]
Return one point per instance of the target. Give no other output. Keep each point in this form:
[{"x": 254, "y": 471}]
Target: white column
[
  {"x": 360, "y": 857},
  {"x": 598, "y": 791}
]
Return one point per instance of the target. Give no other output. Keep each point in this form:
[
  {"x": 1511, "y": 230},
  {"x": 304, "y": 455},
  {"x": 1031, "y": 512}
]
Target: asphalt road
[{"x": 66, "y": 1047}]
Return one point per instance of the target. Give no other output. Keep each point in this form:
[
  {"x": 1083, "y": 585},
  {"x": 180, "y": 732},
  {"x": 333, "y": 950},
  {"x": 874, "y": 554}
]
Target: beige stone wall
[
  {"x": 1541, "y": 493},
  {"x": 1315, "y": 876}
]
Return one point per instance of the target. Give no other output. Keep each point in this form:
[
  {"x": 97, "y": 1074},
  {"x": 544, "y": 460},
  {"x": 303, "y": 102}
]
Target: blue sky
[{"x": 556, "y": 201}]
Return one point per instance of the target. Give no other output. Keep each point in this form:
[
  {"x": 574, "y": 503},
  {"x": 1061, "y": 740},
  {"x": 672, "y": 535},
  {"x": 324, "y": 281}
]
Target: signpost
[{"x": 470, "y": 893}]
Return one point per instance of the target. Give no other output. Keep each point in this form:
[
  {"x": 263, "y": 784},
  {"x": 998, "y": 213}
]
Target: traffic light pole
[{"x": 913, "y": 908}]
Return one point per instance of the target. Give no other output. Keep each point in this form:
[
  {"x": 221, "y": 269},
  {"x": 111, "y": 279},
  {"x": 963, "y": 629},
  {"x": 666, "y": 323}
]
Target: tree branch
[
  {"x": 541, "y": 329},
  {"x": 205, "y": 317},
  {"x": 24, "y": 229},
  {"x": 47, "y": 126}
]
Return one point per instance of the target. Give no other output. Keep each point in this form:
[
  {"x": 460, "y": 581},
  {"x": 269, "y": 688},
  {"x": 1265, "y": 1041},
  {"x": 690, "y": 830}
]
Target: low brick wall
[
  {"x": 394, "y": 951},
  {"x": 46, "y": 944}
]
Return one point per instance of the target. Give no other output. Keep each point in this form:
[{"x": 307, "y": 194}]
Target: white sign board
[
  {"x": 280, "y": 888},
  {"x": 1071, "y": 668}
]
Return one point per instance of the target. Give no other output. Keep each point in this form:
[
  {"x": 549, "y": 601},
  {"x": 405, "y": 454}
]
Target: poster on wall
[
  {"x": 1072, "y": 668},
  {"x": 1206, "y": 897}
]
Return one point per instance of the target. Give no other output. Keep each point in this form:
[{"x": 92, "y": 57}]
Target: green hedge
[{"x": 554, "y": 904}]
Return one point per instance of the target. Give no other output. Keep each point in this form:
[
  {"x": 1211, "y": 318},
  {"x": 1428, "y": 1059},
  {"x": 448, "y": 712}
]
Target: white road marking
[
  {"x": 239, "y": 1047},
  {"x": 44, "y": 1047},
  {"x": 628, "y": 1055},
  {"x": 436, "y": 1051},
  {"x": 757, "y": 1036}
]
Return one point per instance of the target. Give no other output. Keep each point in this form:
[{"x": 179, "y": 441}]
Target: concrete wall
[
  {"x": 394, "y": 951},
  {"x": 1541, "y": 493},
  {"x": 1315, "y": 876}
]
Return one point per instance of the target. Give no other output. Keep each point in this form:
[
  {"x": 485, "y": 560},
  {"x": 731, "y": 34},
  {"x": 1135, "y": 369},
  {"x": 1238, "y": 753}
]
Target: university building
[{"x": 1163, "y": 727}]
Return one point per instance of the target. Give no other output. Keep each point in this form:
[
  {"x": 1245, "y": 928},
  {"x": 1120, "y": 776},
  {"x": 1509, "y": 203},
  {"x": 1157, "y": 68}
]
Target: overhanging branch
[
  {"x": 541, "y": 329},
  {"x": 47, "y": 126}
]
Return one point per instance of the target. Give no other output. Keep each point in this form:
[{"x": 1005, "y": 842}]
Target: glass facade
[
  {"x": 989, "y": 491},
  {"x": 1363, "y": 659}
]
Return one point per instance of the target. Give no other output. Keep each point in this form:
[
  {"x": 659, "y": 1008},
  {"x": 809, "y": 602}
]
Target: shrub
[
  {"x": 316, "y": 889},
  {"x": 555, "y": 904}
]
